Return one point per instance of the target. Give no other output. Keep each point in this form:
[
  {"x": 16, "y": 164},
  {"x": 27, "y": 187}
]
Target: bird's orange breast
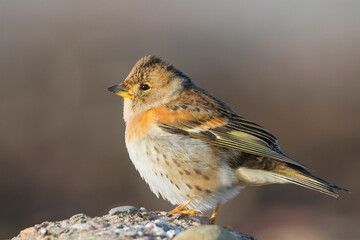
[{"x": 139, "y": 126}]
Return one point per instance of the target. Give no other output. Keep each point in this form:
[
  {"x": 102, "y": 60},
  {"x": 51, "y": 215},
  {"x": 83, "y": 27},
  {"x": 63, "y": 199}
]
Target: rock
[
  {"x": 81, "y": 226},
  {"x": 78, "y": 218},
  {"x": 179, "y": 215},
  {"x": 162, "y": 213},
  {"x": 142, "y": 209},
  {"x": 144, "y": 238},
  {"x": 123, "y": 209},
  {"x": 43, "y": 231},
  {"x": 206, "y": 232},
  {"x": 28, "y": 232},
  {"x": 201, "y": 219},
  {"x": 171, "y": 233},
  {"x": 160, "y": 223},
  {"x": 245, "y": 236},
  {"x": 129, "y": 223}
]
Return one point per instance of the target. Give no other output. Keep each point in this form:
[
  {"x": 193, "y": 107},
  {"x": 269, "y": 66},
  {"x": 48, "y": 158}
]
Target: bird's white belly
[
  {"x": 143, "y": 156},
  {"x": 159, "y": 159}
]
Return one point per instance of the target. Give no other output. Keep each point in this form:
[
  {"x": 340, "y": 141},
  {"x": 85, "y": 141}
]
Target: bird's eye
[{"x": 144, "y": 87}]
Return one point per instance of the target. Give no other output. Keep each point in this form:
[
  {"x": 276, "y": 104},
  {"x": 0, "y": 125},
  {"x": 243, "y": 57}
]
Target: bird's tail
[{"x": 305, "y": 179}]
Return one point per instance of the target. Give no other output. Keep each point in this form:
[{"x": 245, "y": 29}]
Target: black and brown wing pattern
[
  {"x": 224, "y": 128},
  {"x": 227, "y": 131}
]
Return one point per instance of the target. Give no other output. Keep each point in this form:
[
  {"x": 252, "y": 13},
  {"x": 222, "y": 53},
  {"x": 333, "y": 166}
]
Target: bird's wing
[{"x": 227, "y": 131}]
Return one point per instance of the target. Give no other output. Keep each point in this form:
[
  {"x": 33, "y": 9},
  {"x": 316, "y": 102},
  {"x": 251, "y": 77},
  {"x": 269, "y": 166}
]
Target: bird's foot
[
  {"x": 215, "y": 213},
  {"x": 181, "y": 209},
  {"x": 190, "y": 211}
]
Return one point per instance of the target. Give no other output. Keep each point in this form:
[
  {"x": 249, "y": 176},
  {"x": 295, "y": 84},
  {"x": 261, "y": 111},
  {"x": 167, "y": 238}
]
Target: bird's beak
[{"x": 121, "y": 90}]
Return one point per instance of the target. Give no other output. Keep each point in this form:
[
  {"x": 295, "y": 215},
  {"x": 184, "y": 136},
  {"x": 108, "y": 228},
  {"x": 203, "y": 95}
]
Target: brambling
[{"x": 192, "y": 148}]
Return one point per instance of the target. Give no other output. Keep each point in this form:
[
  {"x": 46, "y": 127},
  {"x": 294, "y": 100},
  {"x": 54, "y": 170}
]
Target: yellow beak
[{"x": 121, "y": 90}]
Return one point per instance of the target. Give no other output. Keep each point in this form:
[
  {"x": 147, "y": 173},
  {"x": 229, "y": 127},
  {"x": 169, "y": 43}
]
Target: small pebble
[
  {"x": 128, "y": 228},
  {"x": 159, "y": 231},
  {"x": 179, "y": 215},
  {"x": 81, "y": 226},
  {"x": 64, "y": 224},
  {"x": 201, "y": 219},
  {"x": 56, "y": 230},
  {"x": 150, "y": 226},
  {"x": 123, "y": 209},
  {"x": 98, "y": 225},
  {"x": 144, "y": 238},
  {"x": 142, "y": 209},
  {"x": 162, "y": 213},
  {"x": 196, "y": 224},
  {"x": 208, "y": 232},
  {"x": 171, "y": 233},
  {"x": 82, "y": 218},
  {"x": 147, "y": 217},
  {"x": 130, "y": 234},
  {"x": 42, "y": 225},
  {"x": 245, "y": 236},
  {"x": 43, "y": 231},
  {"x": 28, "y": 232},
  {"x": 117, "y": 230},
  {"x": 160, "y": 223}
]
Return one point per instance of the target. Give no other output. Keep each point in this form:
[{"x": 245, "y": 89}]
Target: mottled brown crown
[
  {"x": 155, "y": 65},
  {"x": 154, "y": 61}
]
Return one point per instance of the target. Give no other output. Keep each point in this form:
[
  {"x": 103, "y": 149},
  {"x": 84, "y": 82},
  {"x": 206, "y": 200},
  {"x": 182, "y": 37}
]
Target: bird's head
[{"x": 150, "y": 83}]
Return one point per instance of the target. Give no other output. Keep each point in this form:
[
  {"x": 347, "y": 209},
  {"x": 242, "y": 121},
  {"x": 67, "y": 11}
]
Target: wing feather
[{"x": 233, "y": 132}]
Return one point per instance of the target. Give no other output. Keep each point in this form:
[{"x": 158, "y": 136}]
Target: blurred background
[{"x": 291, "y": 66}]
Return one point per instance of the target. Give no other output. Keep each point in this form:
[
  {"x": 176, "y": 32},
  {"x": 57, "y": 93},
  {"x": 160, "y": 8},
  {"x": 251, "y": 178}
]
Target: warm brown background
[{"x": 291, "y": 66}]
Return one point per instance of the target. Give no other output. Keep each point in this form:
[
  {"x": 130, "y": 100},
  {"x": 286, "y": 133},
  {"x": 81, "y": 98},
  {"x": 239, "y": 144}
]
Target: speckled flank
[{"x": 181, "y": 176}]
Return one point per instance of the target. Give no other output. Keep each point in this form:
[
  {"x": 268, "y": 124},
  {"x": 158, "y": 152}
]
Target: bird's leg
[
  {"x": 215, "y": 213},
  {"x": 181, "y": 207}
]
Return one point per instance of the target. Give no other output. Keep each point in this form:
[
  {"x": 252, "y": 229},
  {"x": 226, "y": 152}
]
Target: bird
[{"x": 192, "y": 148}]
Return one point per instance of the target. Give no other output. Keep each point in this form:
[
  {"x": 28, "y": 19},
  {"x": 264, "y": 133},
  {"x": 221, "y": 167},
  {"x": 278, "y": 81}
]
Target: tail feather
[{"x": 305, "y": 179}]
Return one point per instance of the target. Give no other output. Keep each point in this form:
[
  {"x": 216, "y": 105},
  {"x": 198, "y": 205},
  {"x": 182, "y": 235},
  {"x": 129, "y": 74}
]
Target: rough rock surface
[{"x": 128, "y": 222}]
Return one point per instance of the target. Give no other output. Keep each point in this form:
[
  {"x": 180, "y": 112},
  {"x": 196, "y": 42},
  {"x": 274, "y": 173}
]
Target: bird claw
[
  {"x": 180, "y": 209},
  {"x": 192, "y": 211},
  {"x": 188, "y": 211}
]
